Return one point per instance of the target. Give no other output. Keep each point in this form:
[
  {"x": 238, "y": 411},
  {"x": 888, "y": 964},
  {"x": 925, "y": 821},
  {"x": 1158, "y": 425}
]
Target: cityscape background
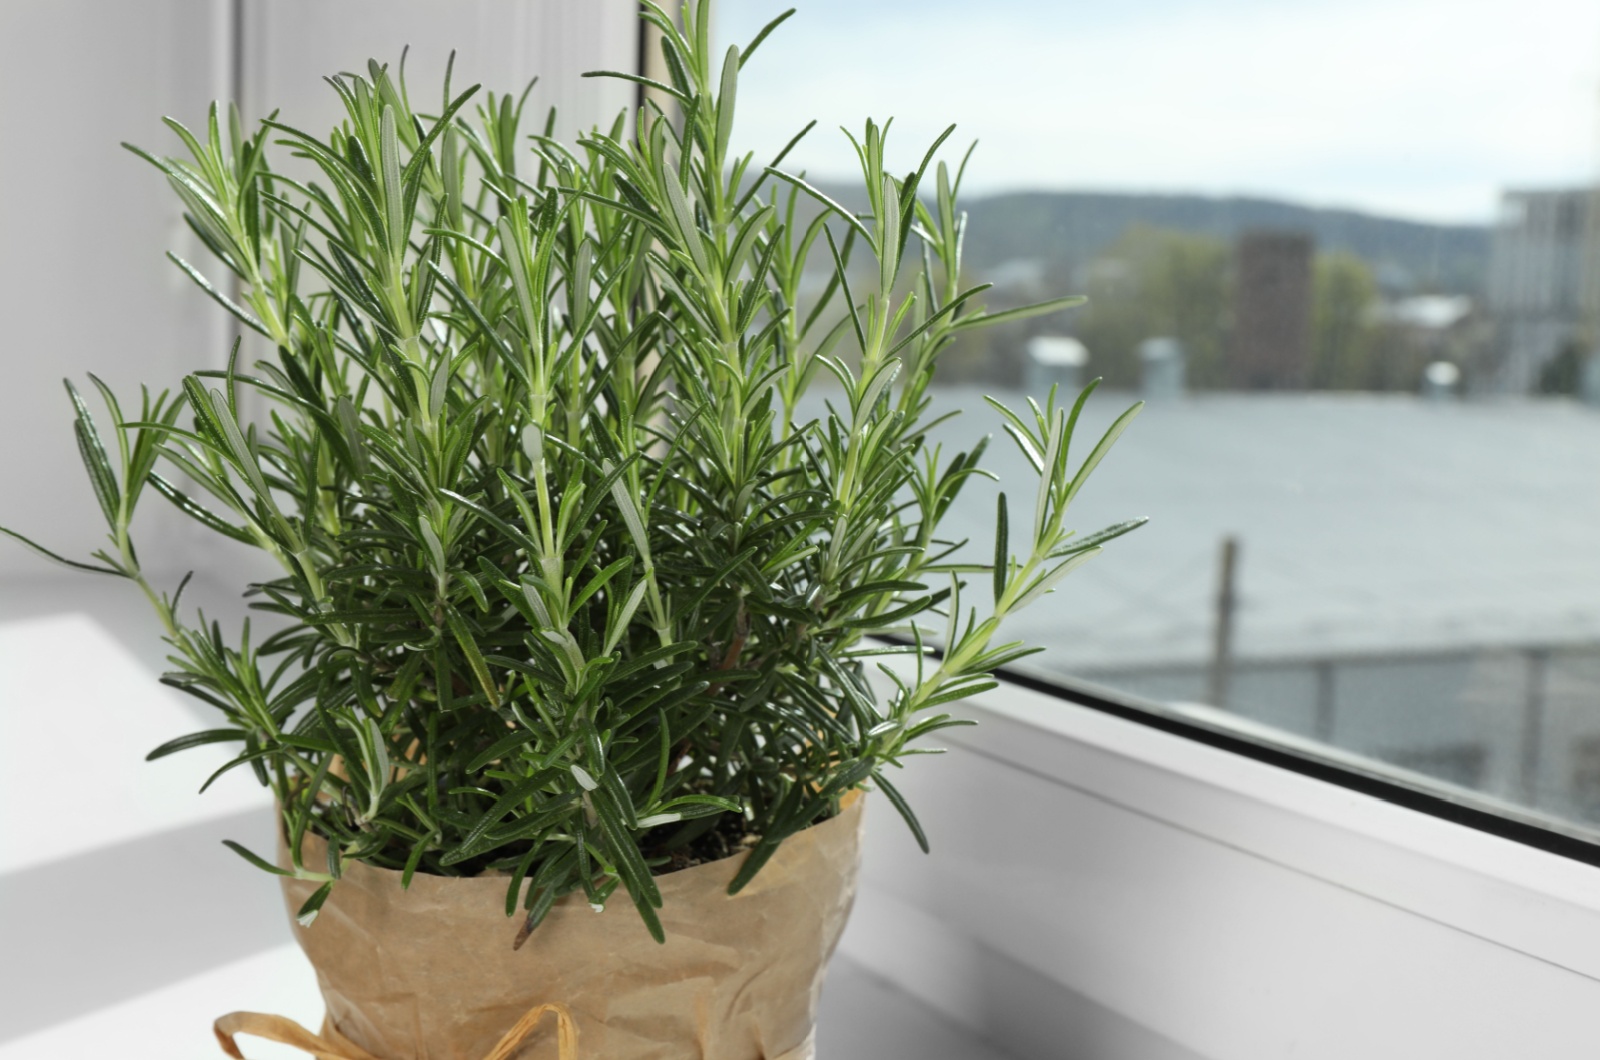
[
  {"x": 1357, "y": 279},
  {"x": 1285, "y": 213},
  {"x": 1423, "y": 109}
]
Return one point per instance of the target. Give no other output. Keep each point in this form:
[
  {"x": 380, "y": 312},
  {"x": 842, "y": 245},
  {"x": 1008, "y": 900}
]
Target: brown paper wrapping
[{"x": 429, "y": 973}]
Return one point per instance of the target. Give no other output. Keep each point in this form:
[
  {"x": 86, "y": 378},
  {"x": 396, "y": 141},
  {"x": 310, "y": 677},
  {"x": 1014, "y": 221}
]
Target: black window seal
[
  {"x": 1341, "y": 769},
  {"x": 1459, "y": 807}
]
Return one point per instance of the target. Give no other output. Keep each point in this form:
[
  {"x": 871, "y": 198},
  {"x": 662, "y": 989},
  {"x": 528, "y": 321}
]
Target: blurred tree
[
  {"x": 1155, "y": 282},
  {"x": 1160, "y": 282},
  {"x": 1344, "y": 339},
  {"x": 994, "y": 356},
  {"x": 1563, "y": 372}
]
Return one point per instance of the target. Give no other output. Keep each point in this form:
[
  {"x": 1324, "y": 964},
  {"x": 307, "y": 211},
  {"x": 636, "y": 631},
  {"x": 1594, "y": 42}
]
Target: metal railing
[{"x": 1520, "y": 722}]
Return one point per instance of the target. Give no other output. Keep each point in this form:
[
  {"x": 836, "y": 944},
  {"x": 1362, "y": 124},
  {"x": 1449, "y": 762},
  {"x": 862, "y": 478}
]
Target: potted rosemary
[{"x": 577, "y": 600}]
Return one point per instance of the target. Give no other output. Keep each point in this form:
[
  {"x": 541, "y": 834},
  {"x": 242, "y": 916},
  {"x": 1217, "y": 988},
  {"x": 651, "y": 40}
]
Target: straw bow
[{"x": 331, "y": 1045}]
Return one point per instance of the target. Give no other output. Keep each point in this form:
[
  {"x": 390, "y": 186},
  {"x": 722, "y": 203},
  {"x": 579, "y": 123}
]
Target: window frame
[
  {"x": 1122, "y": 882},
  {"x": 1326, "y": 763}
]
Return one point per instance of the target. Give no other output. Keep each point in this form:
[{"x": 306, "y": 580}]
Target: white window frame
[{"x": 1152, "y": 896}]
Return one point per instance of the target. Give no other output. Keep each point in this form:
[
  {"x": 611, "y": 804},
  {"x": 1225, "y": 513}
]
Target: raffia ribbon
[{"x": 331, "y": 1045}]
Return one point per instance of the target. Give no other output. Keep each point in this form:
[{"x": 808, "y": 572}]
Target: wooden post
[
  {"x": 1533, "y": 710},
  {"x": 1324, "y": 716},
  {"x": 1222, "y": 630}
]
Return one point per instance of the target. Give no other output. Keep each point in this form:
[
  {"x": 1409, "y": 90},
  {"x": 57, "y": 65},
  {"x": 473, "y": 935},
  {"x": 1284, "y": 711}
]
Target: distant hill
[
  {"x": 1070, "y": 227},
  {"x": 1074, "y": 226}
]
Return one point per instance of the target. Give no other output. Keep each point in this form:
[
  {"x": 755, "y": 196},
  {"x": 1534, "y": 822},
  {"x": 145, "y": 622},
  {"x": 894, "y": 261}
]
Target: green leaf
[
  {"x": 1098, "y": 538},
  {"x": 898, "y": 801},
  {"x": 1102, "y": 447},
  {"x": 1025, "y": 312},
  {"x": 95, "y": 460},
  {"x": 639, "y": 80},
  {"x": 255, "y": 859},
  {"x": 1002, "y": 548},
  {"x": 1045, "y": 582},
  {"x": 469, "y": 647},
  {"x": 74, "y": 564},
  {"x": 683, "y": 218},
  {"x": 701, "y": 805},
  {"x": 196, "y": 739},
  {"x": 725, "y": 99},
  {"x": 238, "y": 312},
  {"x": 766, "y": 31},
  {"x": 848, "y": 217},
  {"x": 199, "y": 513},
  {"x": 393, "y": 191},
  {"x": 478, "y": 838},
  {"x": 307, "y": 914}
]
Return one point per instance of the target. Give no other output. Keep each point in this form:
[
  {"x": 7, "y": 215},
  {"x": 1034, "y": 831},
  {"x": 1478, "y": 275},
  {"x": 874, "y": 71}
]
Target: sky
[{"x": 1412, "y": 108}]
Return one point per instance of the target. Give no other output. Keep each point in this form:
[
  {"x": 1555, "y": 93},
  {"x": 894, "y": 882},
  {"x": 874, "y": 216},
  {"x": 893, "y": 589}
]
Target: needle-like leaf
[{"x": 572, "y": 570}]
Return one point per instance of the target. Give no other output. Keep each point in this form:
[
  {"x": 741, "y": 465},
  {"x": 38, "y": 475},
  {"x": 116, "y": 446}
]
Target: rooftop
[{"x": 1367, "y": 523}]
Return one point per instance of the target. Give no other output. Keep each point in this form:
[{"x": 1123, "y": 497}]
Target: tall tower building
[
  {"x": 1271, "y": 311},
  {"x": 1543, "y": 276}
]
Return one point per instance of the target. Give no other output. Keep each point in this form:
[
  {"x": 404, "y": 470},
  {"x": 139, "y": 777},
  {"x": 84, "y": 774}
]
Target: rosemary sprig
[{"x": 565, "y": 578}]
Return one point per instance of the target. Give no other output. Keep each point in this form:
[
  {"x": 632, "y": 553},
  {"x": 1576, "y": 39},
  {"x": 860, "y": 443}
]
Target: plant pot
[{"x": 430, "y": 971}]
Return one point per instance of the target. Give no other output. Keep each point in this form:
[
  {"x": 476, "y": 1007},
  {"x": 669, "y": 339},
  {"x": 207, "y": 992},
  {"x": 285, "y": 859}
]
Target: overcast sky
[{"x": 1419, "y": 108}]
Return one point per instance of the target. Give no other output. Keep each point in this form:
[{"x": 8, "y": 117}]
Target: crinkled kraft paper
[{"x": 429, "y": 973}]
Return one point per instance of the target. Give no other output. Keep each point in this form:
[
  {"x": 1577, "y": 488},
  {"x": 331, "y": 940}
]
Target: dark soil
[{"x": 728, "y": 837}]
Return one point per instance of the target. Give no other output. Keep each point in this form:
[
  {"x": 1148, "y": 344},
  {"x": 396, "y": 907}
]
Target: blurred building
[
  {"x": 1271, "y": 348},
  {"x": 1544, "y": 280},
  {"x": 1428, "y": 313},
  {"x": 1054, "y": 361},
  {"x": 1425, "y": 329},
  {"x": 1161, "y": 362},
  {"x": 1415, "y": 581}
]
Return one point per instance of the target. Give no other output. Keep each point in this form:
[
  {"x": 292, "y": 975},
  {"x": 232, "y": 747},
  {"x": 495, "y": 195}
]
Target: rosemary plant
[{"x": 568, "y": 587}]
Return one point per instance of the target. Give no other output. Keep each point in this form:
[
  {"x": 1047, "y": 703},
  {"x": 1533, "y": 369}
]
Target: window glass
[{"x": 1349, "y": 253}]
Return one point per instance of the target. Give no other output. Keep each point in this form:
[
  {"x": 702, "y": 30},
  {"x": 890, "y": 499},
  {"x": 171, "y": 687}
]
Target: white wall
[
  {"x": 84, "y": 286},
  {"x": 291, "y": 44}
]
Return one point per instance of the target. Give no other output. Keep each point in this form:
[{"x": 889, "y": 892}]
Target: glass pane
[{"x": 1350, "y": 256}]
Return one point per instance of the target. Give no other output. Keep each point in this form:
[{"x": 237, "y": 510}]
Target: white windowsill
[
  {"x": 1180, "y": 900},
  {"x": 1543, "y": 904}
]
